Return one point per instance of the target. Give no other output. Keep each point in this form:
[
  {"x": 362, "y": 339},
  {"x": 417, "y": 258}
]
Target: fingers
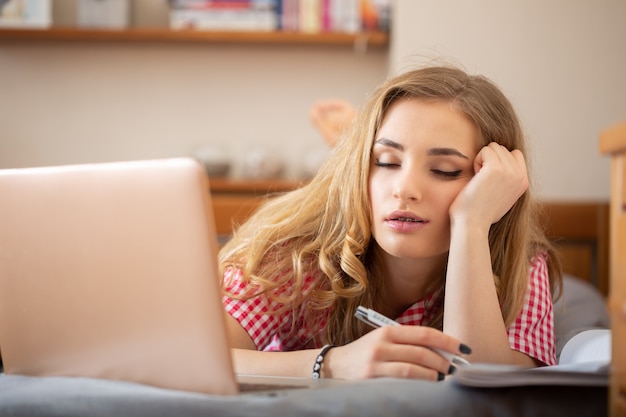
[
  {"x": 509, "y": 166},
  {"x": 409, "y": 361},
  {"x": 500, "y": 179},
  {"x": 422, "y": 336},
  {"x": 407, "y": 352},
  {"x": 509, "y": 169}
]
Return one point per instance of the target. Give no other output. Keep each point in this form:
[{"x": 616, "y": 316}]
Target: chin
[{"x": 406, "y": 250}]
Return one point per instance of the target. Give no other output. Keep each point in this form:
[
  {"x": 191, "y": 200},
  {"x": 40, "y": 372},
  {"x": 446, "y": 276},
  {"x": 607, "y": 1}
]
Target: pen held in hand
[{"x": 375, "y": 319}]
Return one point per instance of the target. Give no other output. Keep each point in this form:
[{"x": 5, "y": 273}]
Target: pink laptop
[{"x": 109, "y": 271}]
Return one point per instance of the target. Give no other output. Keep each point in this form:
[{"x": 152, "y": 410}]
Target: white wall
[
  {"x": 561, "y": 62},
  {"x": 73, "y": 102}
]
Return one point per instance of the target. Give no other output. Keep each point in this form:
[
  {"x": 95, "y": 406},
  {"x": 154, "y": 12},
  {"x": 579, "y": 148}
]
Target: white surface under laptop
[{"x": 110, "y": 271}]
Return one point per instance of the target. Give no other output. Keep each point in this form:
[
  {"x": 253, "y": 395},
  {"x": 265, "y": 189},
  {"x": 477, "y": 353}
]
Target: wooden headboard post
[{"x": 613, "y": 142}]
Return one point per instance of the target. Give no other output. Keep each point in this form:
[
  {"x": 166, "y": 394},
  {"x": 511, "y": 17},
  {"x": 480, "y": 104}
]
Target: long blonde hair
[{"x": 322, "y": 231}]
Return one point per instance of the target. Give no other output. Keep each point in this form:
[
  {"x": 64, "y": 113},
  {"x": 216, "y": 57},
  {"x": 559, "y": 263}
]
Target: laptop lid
[{"x": 110, "y": 270}]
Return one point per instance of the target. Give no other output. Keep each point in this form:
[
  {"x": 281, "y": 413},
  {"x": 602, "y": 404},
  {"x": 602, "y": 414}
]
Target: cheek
[
  {"x": 376, "y": 191},
  {"x": 449, "y": 198},
  {"x": 445, "y": 197},
  {"x": 376, "y": 200}
]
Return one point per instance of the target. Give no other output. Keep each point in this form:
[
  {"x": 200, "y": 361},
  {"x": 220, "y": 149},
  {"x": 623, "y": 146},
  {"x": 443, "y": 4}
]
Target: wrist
[
  {"x": 465, "y": 226},
  {"x": 320, "y": 366}
]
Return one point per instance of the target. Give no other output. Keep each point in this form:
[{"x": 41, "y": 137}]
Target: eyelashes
[
  {"x": 385, "y": 164},
  {"x": 447, "y": 174},
  {"x": 437, "y": 172}
]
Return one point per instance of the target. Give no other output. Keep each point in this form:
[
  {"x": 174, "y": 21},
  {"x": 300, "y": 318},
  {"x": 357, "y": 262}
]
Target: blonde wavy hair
[{"x": 322, "y": 231}]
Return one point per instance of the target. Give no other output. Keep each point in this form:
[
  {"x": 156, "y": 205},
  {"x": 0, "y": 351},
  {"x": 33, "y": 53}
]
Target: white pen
[{"x": 375, "y": 319}]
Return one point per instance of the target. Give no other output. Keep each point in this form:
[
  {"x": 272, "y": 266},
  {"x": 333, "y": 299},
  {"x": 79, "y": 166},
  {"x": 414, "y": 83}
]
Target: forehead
[{"x": 409, "y": 120}]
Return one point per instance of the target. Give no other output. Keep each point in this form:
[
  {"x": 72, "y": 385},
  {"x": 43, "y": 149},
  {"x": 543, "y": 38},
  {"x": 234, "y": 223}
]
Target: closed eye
[
  {"x": 378, "y": 163},
  {"x": 447, "y": 174}
]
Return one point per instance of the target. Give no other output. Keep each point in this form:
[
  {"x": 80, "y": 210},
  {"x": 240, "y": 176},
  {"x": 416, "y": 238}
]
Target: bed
[{"x": 579, "y": 229}]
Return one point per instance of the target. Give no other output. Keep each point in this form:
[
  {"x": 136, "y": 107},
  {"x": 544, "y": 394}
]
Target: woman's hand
[
  {"x": 472, "y": 308},
  {"x": 500, "y": 180},
  {"x": 393, "y": 351}
]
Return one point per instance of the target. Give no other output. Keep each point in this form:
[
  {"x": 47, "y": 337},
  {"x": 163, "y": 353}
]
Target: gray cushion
[{"x": 581, "y": 307}]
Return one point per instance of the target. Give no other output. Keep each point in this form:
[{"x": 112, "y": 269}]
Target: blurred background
[{"x": 62, "y": 101}]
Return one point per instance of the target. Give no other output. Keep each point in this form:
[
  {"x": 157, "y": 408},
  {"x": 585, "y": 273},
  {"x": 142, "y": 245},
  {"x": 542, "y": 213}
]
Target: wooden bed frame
[{"x": 580, "y": 230}]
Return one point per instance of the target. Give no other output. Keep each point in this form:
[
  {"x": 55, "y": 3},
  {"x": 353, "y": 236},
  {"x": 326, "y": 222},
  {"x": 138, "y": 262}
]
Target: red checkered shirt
[{"x": 532, "y": 332}]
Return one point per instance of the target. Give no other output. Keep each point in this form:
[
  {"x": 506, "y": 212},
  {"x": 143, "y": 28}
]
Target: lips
[
  {"x": 405, "y": 222},
  {"x": 405, "y": 216},
  {"x": 407, "y": 219}
]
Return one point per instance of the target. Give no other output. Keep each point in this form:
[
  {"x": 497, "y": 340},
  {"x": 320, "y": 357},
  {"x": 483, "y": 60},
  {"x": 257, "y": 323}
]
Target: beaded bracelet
[{"x": 317, "y": 366}]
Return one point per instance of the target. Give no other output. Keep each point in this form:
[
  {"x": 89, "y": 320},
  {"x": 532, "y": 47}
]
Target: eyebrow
[
  {"x": 431, "y": 152},
  {"x": 446, "y": 152},
  {"x": 390, "y": 143}
]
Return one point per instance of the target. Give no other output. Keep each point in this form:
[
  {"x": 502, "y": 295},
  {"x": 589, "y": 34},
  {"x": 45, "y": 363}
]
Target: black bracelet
[{"x": 317, "y": 366}]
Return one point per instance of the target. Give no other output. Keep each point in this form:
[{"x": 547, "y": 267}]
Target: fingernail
[
  {"x": 440, "y": 376},
  {"x": 451, "y": 369},
  {"x": 465, "y": 349}
]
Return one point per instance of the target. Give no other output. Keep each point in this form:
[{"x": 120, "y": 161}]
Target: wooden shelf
[
  {"x": 234, "y": 200},
  {"x": 364, "y": 39},
  {"x": 252, "y": 186}
]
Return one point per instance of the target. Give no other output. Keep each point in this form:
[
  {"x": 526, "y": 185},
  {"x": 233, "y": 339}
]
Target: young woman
[{"x": 422, "y": 213}]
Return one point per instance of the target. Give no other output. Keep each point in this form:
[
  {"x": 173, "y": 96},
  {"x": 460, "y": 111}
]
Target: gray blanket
[{"x": 80, "y": 397}]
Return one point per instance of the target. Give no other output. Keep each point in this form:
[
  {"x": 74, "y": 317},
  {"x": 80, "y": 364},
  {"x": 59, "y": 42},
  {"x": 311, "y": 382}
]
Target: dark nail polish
[
  {"x": 465, "y": 349},
  {"x": 440, "y": 376},
  {"x": 451, "y": 369}
]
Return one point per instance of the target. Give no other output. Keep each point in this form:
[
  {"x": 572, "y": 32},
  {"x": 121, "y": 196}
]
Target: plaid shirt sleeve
[
  {"x": 251, "y": 313},
  {"x": 532, "y": 332},
  {"x": 270, "y": 331}
]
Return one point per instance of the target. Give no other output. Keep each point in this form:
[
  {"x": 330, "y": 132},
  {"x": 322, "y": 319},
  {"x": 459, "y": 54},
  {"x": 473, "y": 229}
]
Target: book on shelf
[
  {"x": 347, "y": 16},
  {"x": 308, "y": 16},
  {"x": 111, "y": 14},
  {"x": 584, "y": 361},
  {"x": 252, "y": 15},
  {"x": 25, "y": 14}
]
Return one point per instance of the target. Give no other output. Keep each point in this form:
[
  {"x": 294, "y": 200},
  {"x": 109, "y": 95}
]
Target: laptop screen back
[{"x": 110, "y": 270}]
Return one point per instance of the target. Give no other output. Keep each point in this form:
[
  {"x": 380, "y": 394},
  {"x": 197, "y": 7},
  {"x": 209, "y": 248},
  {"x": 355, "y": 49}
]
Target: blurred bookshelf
[{"x": 362, "y": 39}]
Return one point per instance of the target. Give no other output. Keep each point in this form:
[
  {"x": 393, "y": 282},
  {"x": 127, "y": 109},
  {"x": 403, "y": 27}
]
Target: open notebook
[
  {"x": 585, "y": 361},
  {"x": 110, "y": 270}
]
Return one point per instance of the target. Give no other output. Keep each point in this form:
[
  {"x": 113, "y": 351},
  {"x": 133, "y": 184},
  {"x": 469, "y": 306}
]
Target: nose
[{"x": 407, "y": 189}]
